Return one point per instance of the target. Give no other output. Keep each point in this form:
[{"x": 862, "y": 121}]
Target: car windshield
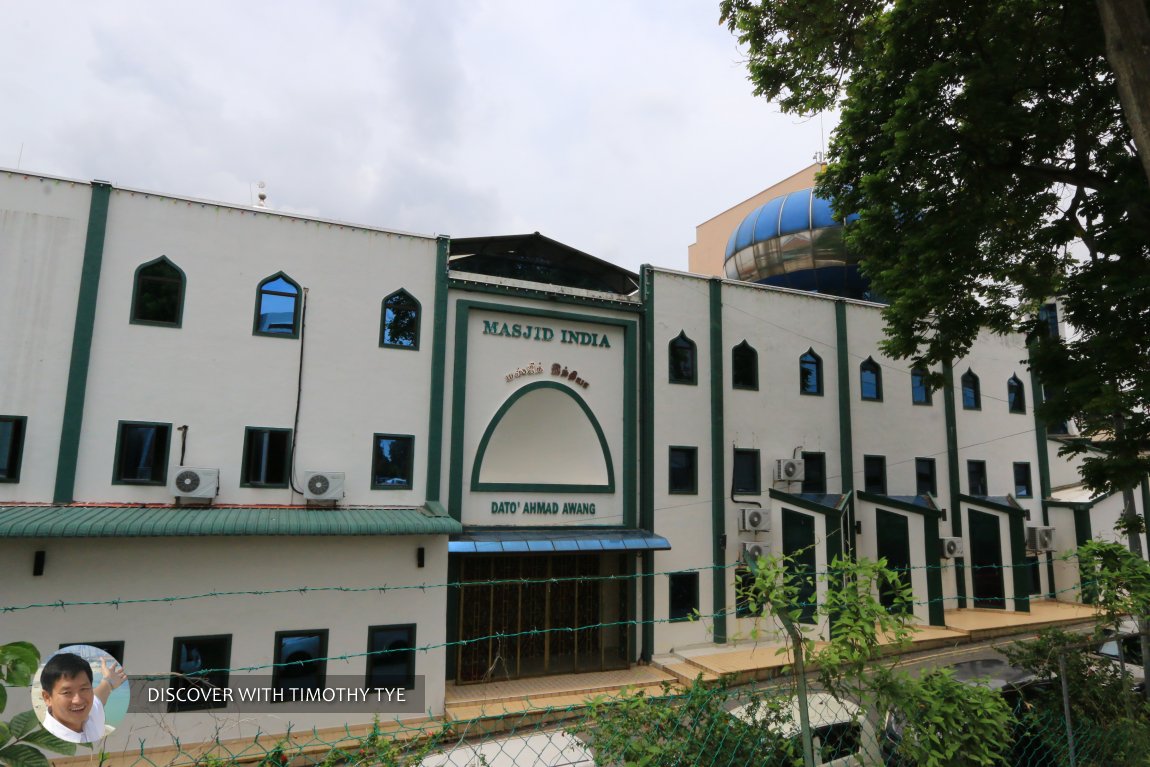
[{"x": 836, "y": 740}]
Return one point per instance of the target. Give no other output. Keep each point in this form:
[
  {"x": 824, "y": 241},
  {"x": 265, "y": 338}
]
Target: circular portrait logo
[{"x": 79, "y": 693}]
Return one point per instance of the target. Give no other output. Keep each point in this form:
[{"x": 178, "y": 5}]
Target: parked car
[
  {"x": 557, "y": 748},
  {"x": 1131, "y": 653},
  {"x": 1019, "y": 687},
  {"x": 836, "y": 727}
]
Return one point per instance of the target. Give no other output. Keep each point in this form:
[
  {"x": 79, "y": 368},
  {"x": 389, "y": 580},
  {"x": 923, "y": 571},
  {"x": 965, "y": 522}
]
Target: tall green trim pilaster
[
  {"x": 1082, "y": 536},
  {"x": 952, "y": 476},
  {"x": 718, "y": 470},
  {"x": 647, "y": 482},
  {"x": 1043, "y": 471},
  {"x": 846, "y": 436},
  {"x": 438, "y": 362},
  {"x": 68, "y": 456}
]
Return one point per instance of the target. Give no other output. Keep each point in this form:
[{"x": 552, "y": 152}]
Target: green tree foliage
[
  {"x": 22, "y": 737},
  {"x": 978, "y": 142}
]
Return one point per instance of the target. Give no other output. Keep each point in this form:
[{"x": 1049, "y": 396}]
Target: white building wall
[
  {"x": 217, "y": 377},
  {"x": 43, "y": 225},
  {"x": 682, "y": 418},
  {"x": 150, "y": 568}
]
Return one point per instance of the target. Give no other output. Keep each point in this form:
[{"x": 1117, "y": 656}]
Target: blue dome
[{"x": 793, "y": 241}]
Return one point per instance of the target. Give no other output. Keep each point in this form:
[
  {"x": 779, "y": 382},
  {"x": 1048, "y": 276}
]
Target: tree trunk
[{"x": 1126, "y": 27}]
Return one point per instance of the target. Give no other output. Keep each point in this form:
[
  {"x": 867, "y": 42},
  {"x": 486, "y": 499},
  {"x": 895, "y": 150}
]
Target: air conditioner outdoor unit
[
  {"x": 323, "y": 485},
  {"x": 1039, "y": 538},
  {"x": 195, "y": 483},
  {"x": 951, "y": 547},
  {"x": 751, "y": 551},
  {"x": 754, "y": 520},
  {"x": 789, "y": 470}
]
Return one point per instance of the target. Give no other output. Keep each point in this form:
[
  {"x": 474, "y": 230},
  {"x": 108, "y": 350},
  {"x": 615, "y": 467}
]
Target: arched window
[
  {"x": 971, "y": 393},
  {"x": 1015, "y": 395},
  {"x": 870, "y": 380},
  {"x": 745, "y": 367},
  {"x": 277, "y": 307},
  {"x": 158, "y": 294},
  {"x": 399, "y": 321},
  {"x": 920, "y": 387},
  {"x": 681, "y": 360},
  {"x": 811, "y": 373}
]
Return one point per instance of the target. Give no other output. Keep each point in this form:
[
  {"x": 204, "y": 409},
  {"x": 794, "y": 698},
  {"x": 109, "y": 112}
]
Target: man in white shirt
[{"x": 75, "y": 707}]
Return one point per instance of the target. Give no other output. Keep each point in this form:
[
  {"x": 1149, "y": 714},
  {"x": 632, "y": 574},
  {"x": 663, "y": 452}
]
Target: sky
[{"x": 613, "y": 126}]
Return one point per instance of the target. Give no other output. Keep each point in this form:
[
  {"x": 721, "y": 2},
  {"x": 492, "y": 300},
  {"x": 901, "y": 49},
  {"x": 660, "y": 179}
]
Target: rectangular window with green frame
[
  {"x": 683, "y": 470},
  {"x": 267, "y": 457},
  {"x": 142, "y": 453},
  {"x": 391, "y": 461},
  {"x": 745, "y": 475},
  {"x": 12, "y": 428}
]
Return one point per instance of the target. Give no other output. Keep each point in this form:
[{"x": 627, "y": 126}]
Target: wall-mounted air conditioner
[
  {"x": 951, "y": 547},
  {"x": 751, "y": 551},
  {"x": 323, "y": 485},
  {"x": 195, "y": 483},
  {"x": 1039, "y": 538},
  {"x": 754, "y": 520},
  {"x": 789, "y": 470}
]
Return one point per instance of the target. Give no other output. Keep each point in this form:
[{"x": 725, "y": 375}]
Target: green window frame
[
  {"x": 399, "y": 318},
  {"x": 265, "y": 460},
  {"x": 388, "y": 473},
  {"x": 870, "y": 381},
  {"x": 920, "y": 391},
  {"x": 682, "y": 360},
  {"x": 746, "y": 472},
  {"x": 744, "y": 367},
  {"x": 1015, "y": 395},
  {"x": 141, "y": 456},
  {"x": 810, "y": 374},
  {"x": 200, "y": 662},
  {"x": 874, "y": 474},
  {"x": 683, "y": 596},
  {"x": 391, "y": 656},
  {"x": 158, "y": 288},
  {"x": 976, "y": 481},
  {"x": 682, "y": 470},
  {"x": 971, "y": 391},
  {"x": 300, "y": 660},
  {"x": 1023, "y": 482},
  {"x": 925, "y": 476},
  {"x": 814, "y": 473},
  {"x": 272, "y": 302},
  {"x": 12, "y": 431}
]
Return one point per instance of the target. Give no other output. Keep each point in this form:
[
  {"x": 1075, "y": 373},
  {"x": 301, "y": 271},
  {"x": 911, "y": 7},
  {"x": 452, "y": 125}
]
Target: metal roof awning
[
  {"x": 553, "y": 541},
  {"x": 83, "y": 521}
]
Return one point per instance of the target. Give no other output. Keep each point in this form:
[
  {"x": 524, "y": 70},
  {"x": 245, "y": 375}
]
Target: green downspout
[
  {"x": 1043, "y": 472},
  {"x": 647, "y": 492},
  {"x": 718, "y": 471},
  {"x": 82, "y": 344},
  {"x": 846, "y": 438},
  {"x": 952, "y": 477},
  {"x": 438, "y": 363}
]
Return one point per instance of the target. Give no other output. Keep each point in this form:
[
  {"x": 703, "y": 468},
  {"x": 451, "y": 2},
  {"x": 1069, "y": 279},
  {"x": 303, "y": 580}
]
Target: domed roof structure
[{"x": 794, "y": 242}]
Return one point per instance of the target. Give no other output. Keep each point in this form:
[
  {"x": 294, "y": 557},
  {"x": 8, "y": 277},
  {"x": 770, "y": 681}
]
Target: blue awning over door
[{"x": 505, "y": 540}]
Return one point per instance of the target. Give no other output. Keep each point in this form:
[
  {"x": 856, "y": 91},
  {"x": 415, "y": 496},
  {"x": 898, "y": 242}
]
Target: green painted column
[
  {"x": 846, "y": 435},
  {"x": 718, "y": 470},
  {"x": 1082, "y": 535},
  {"x": 68, "y": 456},
  {"x": 438, "y": 363},
  {"x": 952, "y": 476},
  {"x": 935, "y": 606},
  {"x": 647, "y": 489},
  {"x": 1146, "y": 511},
  {"x": 1021, "y": 574},
  {"x": 1043, "y": 471}
]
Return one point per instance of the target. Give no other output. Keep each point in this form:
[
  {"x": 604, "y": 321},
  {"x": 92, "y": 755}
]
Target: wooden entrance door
[
  {"x": 986, "y": 560},
  {"x": 799, "y": 548},
  {"x": 893, "y": 533}
]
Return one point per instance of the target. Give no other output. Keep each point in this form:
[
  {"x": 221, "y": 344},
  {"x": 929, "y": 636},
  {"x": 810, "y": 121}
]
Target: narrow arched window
[
  {"x": 278, "y": 307},
  {"x": 971, "y": 392},
  {"x": 399, "y": 323},
  {"x": 811, "y": 373},
  {"x": 1016, "y": 395},
  {"x": 870, "y": 380},
  {"x": 158, "y": 294},
  {"x": 681, "y": 360},
  {"x": 745, "y": 367},
  {"x": 919, "y": 387}
]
